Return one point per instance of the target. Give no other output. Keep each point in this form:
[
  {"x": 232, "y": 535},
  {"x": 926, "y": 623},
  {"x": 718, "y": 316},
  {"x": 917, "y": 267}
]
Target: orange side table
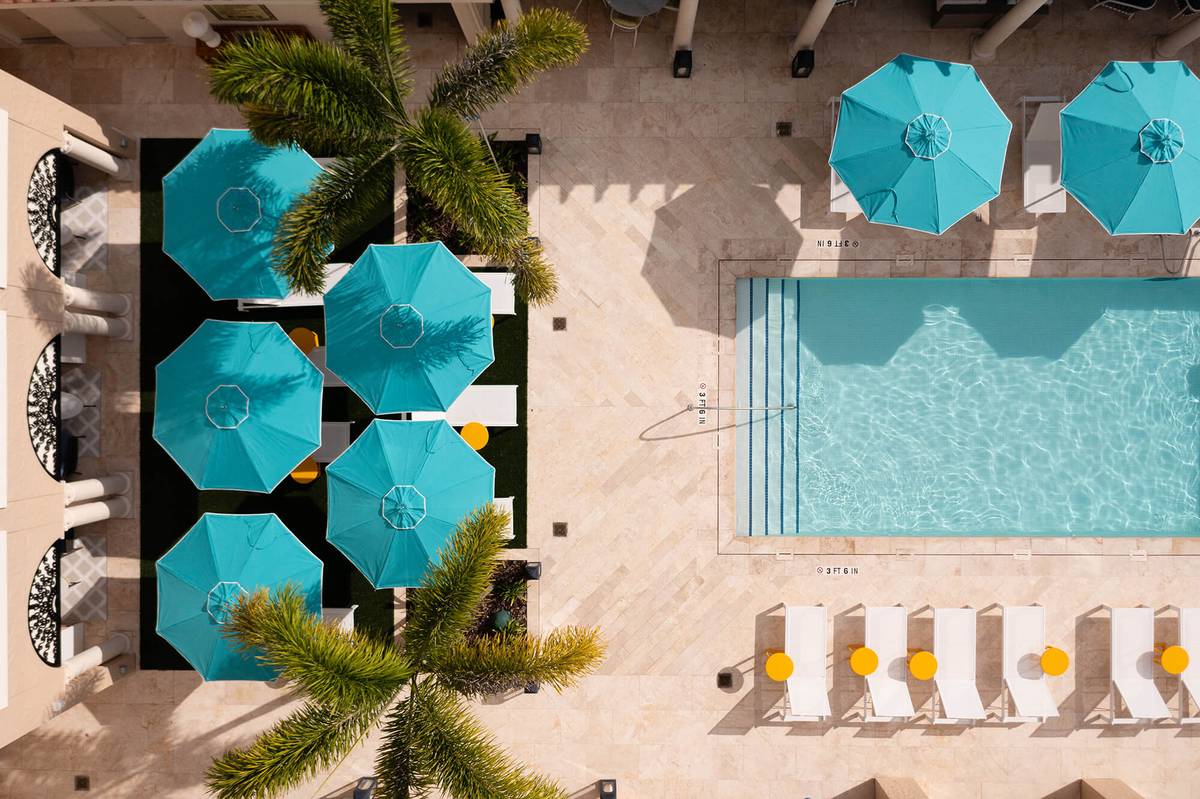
[
  {"x": 1174, "y": 660},
  {"x": 863, "y": 661},
  {"x": 1055, "y": 662},
  {"x": 922, "y": 665},
  {"x": 475, "y": 434},
  {"x": 779, "y": 666}
]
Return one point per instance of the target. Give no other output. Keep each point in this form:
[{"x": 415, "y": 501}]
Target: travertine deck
[{"x": 653, "y": 192}]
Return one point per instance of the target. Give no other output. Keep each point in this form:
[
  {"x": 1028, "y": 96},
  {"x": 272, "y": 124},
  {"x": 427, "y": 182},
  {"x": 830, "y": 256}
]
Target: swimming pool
[{"x": 968, "y": 407}]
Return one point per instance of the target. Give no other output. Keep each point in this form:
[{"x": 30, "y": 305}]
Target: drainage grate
[
  {"x": 83, "y": 782},
  {"x": 783, "y": 129},
  {"x": 724, "y": 679},
  {"x": 560, "y": 529},
  {"x": 559, "y": 323}
]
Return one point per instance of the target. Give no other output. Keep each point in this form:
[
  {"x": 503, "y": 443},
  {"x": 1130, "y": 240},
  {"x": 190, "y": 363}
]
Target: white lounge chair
[
  {"x": 885, "y": 692},
  {"x": 1041, "y": 156},
  {"x": 841, "y": 201},
  {"x": 504, "y": 298},
  {"x": 494, "y": 406},
  {"x": 805, "y": 641},
  {"x": 1189, "y": 680},
  {"x": 317, "y": 356},
  {"x": 1131, "y": 666},
  {"x": 506, "y": 504},
  {"x": 342, "y": 618},
  {"x": 1025, "y": 694},
  {"x": 333, "y": 273},
  {"x": 335, "y": 439},
  {"x": 955, "y": 695}
]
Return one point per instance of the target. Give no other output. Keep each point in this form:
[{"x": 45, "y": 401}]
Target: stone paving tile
[{"x": 654, "y": 195}]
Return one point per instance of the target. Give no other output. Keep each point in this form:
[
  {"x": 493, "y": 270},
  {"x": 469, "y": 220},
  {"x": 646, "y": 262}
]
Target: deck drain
[
  {"x": 559, "y": 323},
  {"x": 560, "y": 529},
  {"x": 724, "y": 679},
  {"x": 783, "y": 129},
  {"x": 83, "y": 782}
]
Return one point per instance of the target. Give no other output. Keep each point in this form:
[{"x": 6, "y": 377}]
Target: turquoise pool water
[{"x": 968, "y": 407}]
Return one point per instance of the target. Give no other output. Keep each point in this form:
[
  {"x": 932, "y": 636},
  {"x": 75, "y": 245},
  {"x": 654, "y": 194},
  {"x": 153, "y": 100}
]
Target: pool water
[{"x": 968, "y": 407}]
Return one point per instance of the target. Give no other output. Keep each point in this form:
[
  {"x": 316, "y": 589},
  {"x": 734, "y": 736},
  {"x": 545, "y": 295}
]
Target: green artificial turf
[{"x": 173, "y": 305}]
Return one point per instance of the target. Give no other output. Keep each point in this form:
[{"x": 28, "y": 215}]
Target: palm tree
[
  {"x": 352, "y": 684},
  {"x": 349, "y": 97}
]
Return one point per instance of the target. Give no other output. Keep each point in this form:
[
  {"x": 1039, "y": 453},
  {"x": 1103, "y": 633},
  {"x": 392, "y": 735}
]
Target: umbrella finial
[
  {"x": 227, "y": 407},
  {"x": 222, "y": 597},
  {"x": 1161, "y": 140},
  {"x": 927, "y": 136},
  {"x": 403, "y": 507}
]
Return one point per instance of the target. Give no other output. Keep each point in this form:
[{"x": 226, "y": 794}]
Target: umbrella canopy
[
  {"x": 222, "y": 558},
  {"x": 1124, "y": 154},
  {"x": 408, "y": 327},
  {"x": 237, "y": 405},
  {"x": 920, "y": 143},
  {"x": 221, "y": 206},
  {"x": 397, "y": 494}
]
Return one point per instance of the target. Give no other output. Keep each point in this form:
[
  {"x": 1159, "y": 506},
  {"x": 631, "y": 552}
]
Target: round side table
[
  {"x": 1174, "y": 660},
  {"x": 306, "y": 472},
  {"x": 922, "y": 665},
  {"x": 305, "y": 339},
  {"x": 1055, "y": 662},
  {"x": 779, "y": 666},
  {"x": 475, "y": 434},
  {"x": 863, "y": 661}
]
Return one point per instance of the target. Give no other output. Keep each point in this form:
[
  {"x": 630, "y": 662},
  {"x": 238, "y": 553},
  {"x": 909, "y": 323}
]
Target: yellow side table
[
  {"x": 305, "y": 339},
  {"x": 1055, "y": 662},
  {"x": 306, "y": 472},
  {"x": 779, "y": 666},
  {"x": 863, "y": 661},
  {"x": 1174, "y": 660},
  {"x": 475, "y": 434},
  {"x": 922, "y": 665}
]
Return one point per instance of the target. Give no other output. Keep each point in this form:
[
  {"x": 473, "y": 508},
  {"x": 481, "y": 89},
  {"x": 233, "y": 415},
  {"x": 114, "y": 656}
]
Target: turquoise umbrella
[
  {"x": 221, "y": 206},
  {"x": 408, "y": 327},
  {"x": 397, "y": 494},
  {"x": 222, "y": 558},
  {"x": 237, "y": 405},
  {"x": 1124, "y": 149},
  {"x": 920, "y": 143}
]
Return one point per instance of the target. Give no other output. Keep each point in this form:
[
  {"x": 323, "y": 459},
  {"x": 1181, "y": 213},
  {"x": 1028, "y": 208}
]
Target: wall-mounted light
[
  {"x": 607, "y": 788},
  {"x": 197, "y": 26},
  {"x": 681, "y": 67},
  {"x": 533, "y": 570},
  {"x": 803, "y": 63}
]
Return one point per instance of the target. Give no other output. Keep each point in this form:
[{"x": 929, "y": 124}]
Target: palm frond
[
  {"x": 506, "y": 59},
  {"x": 335, "y": 96},
  {"x": 448, "y": 164},
  {"x": 451, "y": 592},
  {"x": 342, "y": 671},
  {"x": 505, "y": 662},
  {"x": 534, "y": 279},
  {"x": 370, "y": 32},
  {"x": 304, "y": 744},
  {"x": 401, "y": 763},
  {"x": 346, "y": 197},
  {"x": 462, "y": 757}
]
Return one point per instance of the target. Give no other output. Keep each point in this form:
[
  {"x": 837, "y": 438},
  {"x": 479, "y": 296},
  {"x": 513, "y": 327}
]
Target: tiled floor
[{"x": 653, "y": 194}]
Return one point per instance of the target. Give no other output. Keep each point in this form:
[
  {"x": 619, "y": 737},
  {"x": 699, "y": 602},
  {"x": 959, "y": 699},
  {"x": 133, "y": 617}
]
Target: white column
[
  {"x": 473, "y": 18},
  {"x": 91, "y": 325},
  {"x": 114, "y": 646},
  {"x": 87, "y": 153},
  {"x": 99, "y": 301},
  {"x": 92, "y": 512},
  {"x": 95, "y": 487},
  {"x": 685, "y": 25},
  {"x": 984, "y": 48},
  {"x": 1169, "y": 46},
  {"x": 813, "y": 23},
  {"x": 512, "y": 9}
]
